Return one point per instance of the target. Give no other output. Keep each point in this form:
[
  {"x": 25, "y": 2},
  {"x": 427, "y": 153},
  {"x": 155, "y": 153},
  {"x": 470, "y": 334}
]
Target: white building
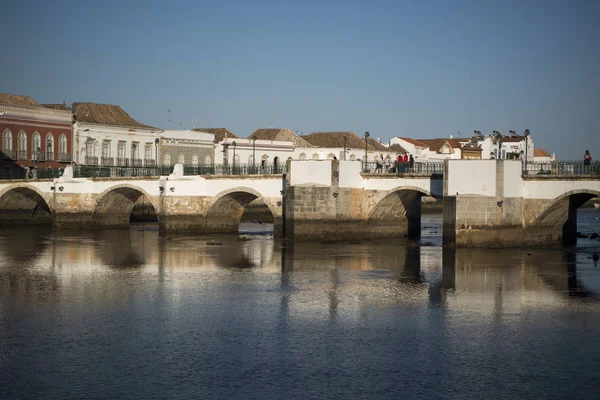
[
  {"x": 342, "y": 145},
  {"x": 246, "y": 151},
  {"x": 106, "y": 135}
]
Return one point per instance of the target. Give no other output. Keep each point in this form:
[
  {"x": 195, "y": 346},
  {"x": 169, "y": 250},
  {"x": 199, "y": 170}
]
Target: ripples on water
[{"x": 129, "y": 314}]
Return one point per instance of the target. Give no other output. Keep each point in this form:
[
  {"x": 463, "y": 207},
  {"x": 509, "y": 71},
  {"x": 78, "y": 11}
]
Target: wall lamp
[
  {"x": 51, "y": 187},
  {"x": 335, "y": 194},
  {"x": 161, "y": 188},
  {"x": 172, "y": 189},
  {"x": 61, "y": 188},
  {"x": 500, "y": 203}
]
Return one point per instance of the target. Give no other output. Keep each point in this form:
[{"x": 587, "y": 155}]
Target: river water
[{"x": 128, "y": 314}]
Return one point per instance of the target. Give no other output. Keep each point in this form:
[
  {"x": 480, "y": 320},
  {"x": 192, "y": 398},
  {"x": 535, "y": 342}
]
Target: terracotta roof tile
[
  {"x": 280, "y": 134},
  {"x": 220, "y": 133},
  {"x": 105, "y": 114},
  {"x": 18, "y": 100}
]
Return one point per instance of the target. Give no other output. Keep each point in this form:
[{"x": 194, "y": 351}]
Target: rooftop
[
  {"x": 336, "y": 139},
  {"x": 280, "y": 134},
  {"x": 105, "y": 114},
  {"x": 540, "y": 153},
  {"x": 18, "y": 100},
  {"x": 220, "y": 133}
]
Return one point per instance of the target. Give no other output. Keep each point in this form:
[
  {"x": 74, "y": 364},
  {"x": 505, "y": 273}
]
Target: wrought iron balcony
[
  {"x": 91, "y": 160},
  {"x": 38, "y": 156},
  {"x": 107, "y": 161},
  {"x": 136, "y": 162},
  {"x": 149, "y": 163},
  {"x": 64, "y": 157},
  {"x": 122, "y": 161},
  {"x": 49, "y": 156},
  {"x": 22, "y": 155}
]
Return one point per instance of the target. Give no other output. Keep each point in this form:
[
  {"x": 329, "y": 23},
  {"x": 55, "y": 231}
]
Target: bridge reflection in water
[{"x": 344, "y": 276}]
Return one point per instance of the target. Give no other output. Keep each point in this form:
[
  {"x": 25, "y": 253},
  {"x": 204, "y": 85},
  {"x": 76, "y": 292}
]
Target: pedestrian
[
  {"x": 587, "y": 158},
  {"x": 492, "y": 157},
  {"x": 388, "y": 165},
  {"x": 411, "y": 163},
  {"x": 378, "y": 164}
]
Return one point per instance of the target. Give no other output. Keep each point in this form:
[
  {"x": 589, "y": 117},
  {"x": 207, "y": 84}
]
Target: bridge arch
[
  {"x": 562, "y": 212},
  {"x": 400, "y": 205},
  {"x": 24, "y": 204},
  {"x": 227, "y": 207},
  {"x": 115, "y": 204}
]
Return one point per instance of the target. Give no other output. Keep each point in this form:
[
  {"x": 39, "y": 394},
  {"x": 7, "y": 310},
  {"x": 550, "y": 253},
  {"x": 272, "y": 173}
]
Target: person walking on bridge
[{"x": 587, "y": 158}]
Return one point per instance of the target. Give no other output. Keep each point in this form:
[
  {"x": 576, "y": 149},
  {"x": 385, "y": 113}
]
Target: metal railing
[
  {"x": 568, "y": 168},
  {"x": 419, "y": 167},
  {"x": 64, "y": 157},
  {"x": 29, "y": 173},
  {"x": 231, "y": 169},
  {"x": 149, "y": 163},
  {"x": 38, "y": 156},
  {"x": 22, "y": 155},
  {"x": 136, "y": 162},
  {"x": 122, "y": 162},
  {"x": 50, "y": 156},
  {"x": 86, "y": 171},
  {"x": 107, "y": 161},
  {"x": 91, "y": 160}
]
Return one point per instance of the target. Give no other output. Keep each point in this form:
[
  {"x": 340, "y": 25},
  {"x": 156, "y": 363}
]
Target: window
[
  {"x": 22, "y": 146},
  {"x": 302, "y": 156},
  {"x": 167, "y": 159},
  {"x": 250, "y": 160},
  {"x": 315, "y": 156},
  {"x": 7, "y": 140},
  {"x": 194, "y": 159},
  {"x": 330, "y": 156},
  {"x": 181, "y": 159},
  {"x": 121, "y": 150},
  {"x": 148, "y": 151},
  {"x": 207, "y": 160},
  {"x": 90, "y": 149},
  {"x": 135, "y": 151},
  {"x": 36, "y": 146},
  {"x": 106, "y": 149},
  {"x": 49, "y": 147},
  {"x": 62, "y": 144}
]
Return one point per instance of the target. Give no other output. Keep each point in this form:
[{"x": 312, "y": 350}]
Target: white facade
[
  {"x": 97, "y": 144},
  {"x": 416, "y": 150},
  {"x": 327, "y": 153}
]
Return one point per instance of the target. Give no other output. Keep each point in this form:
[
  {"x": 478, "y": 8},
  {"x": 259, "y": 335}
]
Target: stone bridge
[{"x": 487, "y": 203}]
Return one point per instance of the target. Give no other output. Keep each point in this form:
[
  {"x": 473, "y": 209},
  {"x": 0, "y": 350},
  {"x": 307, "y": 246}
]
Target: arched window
[
  {"x": 315, "y": 156},
  {"x": 207, "y": 160},
  {"x": 50, "y": 147},
  {"x": 302, "y": 156},
  {"x": 181, "y": 158},
  {"x": 250, "y": 160},
  {"x": 330, "y": 156},
  {"x": 7, "y": 140},
  {"x": 195, "y": 159},
  {"x": 167, "y": 160},
  {"x": 62, "y": 148},
  {"x": 237, "y": 159},
  {"x": 352, "y": 157},
  {"x": 36, "y": 146},
  {"x": 22, "y": 143}
]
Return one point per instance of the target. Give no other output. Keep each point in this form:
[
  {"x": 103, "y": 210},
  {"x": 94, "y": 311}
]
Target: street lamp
[
  {"x": 345, "y": 139},
  {"x": 253, "y": 153},
  {"x": 234, "y": 144},
  {"x": 526, "y": 133},
  {"x": 499, "y": 140},
  {"x": 366, "y": 159},
  {"x": 156, "y": 141},
  {"x": 49, "y": 150}
]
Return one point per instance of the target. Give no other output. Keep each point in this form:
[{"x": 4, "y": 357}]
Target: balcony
[
  {"x": 91, "y": 160},
  {"x": 38, "y": 156},
  {"x": 122, "y": 162},
  {"x": 149, "y": 163},
  {"x": 136, "y": 162},
  {"x": 49, "y": 156},
  {"x": 22, "y": 155},
  {"x": 107, "y": 161},
  {"x": 8, "y": 154},
  {"x": 64, "y": 157}
]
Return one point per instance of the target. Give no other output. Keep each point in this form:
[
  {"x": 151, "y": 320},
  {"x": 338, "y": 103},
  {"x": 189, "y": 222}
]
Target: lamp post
[
  {"x": 253, "y": 153},
  {"x": 526, "y": 133},
  {"x": 345, "y": 139},
  {"x": 156, "y": 141},
  {"x": 499, "y": 140},
  {"x": 234, "y": 144},
  {"x": 366, "y": 159}
]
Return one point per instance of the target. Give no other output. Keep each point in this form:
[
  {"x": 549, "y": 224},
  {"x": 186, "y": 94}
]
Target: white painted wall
[
  {"x": 266, "y": 150},
  {"x": 311, "y": 172},
  {"x": 471, "y": 177},
  {"x": 350, "y": 174},
  {"x": 513, "y": 183},
  {"x": 90, "y": 138}
]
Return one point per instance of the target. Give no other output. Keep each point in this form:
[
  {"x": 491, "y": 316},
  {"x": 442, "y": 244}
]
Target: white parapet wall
[
  {"x": 317, "y": 172},
  {"x": 474, "y": 177}
]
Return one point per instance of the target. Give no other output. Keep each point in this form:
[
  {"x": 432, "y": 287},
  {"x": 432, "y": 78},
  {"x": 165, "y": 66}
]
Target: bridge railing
[
  {"x": 88, "y": 171},
  {"x": 419, "y": 167},
  {"x": 234, "y": 169},
  {"x": 561, "y": 168},
  {"x": 29, "y": 173}
]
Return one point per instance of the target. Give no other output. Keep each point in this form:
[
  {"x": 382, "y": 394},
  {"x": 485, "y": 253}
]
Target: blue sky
[{"x": 420, "y": 69}]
